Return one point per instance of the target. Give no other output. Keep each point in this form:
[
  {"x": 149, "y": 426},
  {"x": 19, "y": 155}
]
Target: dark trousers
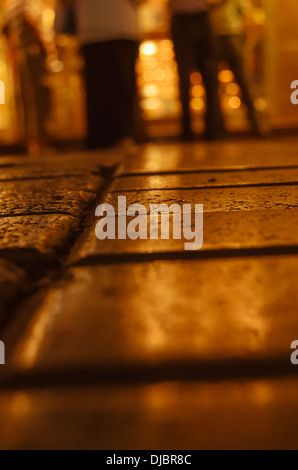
[
  {"x": 194, "y": 48},
  {"x": 230, "y": 49},
  {"x": 111, "y": 91},
  {"x": 36, "y": 96}
]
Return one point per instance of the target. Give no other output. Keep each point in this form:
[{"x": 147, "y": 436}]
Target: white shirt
[
  {"x": 188, "y": 6},
  {"x": 106, "y": 20}
]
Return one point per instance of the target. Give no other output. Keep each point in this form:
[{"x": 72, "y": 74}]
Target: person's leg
[
  {"x": 27, "y": 98},
  {"x": 42, "y": 96},
  {"x": 180, "y": 35},
  {"x": 127, "y": 55},
  {"x": 207, "y": 64},
  {"x": 233, "y": 47},
  {"x": 103, "y": 94}
]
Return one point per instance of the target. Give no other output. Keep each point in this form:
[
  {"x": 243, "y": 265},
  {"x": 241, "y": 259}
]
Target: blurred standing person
[
  {"x": 108, "y": 32},
  {"x": 29, "y": 50},
  {"x": 194, "y": 47},
  {"x": 227, "y": 19}
]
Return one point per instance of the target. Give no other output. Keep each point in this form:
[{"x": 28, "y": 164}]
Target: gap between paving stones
[
  {"x": 182, "y": 171},
  {"x": 23, "y": 271},
  {"x": 214, "y": 186},
  {"x": 192, "y": 371},
  {"x": 130, "y": 257}
]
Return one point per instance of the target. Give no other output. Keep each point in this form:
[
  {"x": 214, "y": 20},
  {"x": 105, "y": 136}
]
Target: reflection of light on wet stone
[{"x": 20, "y": 404}]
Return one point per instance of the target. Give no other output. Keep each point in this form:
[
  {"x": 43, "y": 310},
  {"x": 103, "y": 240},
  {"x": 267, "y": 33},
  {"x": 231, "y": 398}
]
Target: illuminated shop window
[{"x": 158, "y": 80}]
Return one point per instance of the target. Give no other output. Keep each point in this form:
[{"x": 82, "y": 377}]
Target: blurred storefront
[
  {"x": 271, "y": 51},
  {"x": 65, "y": 79}
]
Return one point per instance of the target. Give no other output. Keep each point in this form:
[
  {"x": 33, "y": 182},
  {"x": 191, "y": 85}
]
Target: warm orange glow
[
  {"x": 170, "y": 75},
  {"x": 148, "y": 49},
  {"x": 151, "y": 63},
  {"x": 197, "y": 104},
  {"x": 159, "y": 74},
  {"x": 150, "y": 91},
  {"x": 226, "y": 76},
  {"x": 233, "y": 89},
  {"x": 167, "y": 54},
  {"x": 196, "y": 78},
  {"x": 198, "y": 91},
  {"x": 261, "y": 104},
  {"x": 151, "y": 104},
  {"x": 169, "y": 92},
  {"x": 235, "y": 102},
  {"x": 148, "y": 76}
]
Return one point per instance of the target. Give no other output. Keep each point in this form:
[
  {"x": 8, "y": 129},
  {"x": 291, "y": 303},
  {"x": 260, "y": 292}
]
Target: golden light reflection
[
  {"x": 20, "y": 404},
  {"x": 198, "y": 91},
  {"x": 151, "y": 104},
  {"x": 196, "y": 78},
  {"x": 62, "y": 40},
  {"x": 150, "y": 91},
  {"x": 233, "y": 89},
  {"x": 48, "y": 18},
  {"x": 148, "y": 48},
  {"x": 28, "y": 350},
  {"x": 262, "y": 394},
  {"x": 159, "y": 74},
  {"x": 235, "y": 102},
  {"x": 157, "y": 80},
  {"x": 261, "y": 104},
  {"x": 148, "y": 76},
  {"x": 197, "y": 104},
  {"x": 226, "y": 76}
]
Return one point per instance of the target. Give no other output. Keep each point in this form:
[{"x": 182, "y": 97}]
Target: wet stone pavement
[{"x": 123, "y": 344}]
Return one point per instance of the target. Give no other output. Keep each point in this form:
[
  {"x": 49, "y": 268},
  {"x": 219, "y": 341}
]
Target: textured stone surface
[
  {"x": 154, "y": 314},
  {"x": 206, "y": 179},
  {"x": 75, "y": 160},
  {"x": 247, "y": 415},
  {"x": 50, "y": 170},
  {"x": 217, "y": 200},
  {"x": 68, "y": 196},
  {"x": 13, "y": 282},
  {"x": 174, "y": 331},
  {"x": 178, "y": 157},
  {"x": 222, "y": 231},
  {"x": 35, "y": 241}
]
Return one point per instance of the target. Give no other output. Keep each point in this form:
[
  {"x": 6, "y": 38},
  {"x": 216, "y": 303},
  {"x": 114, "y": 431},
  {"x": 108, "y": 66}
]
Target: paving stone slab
[
  {"x": 35, "y": 242},
  {"x": 174, "y": 416},
  {"x": 69, "y": 196},
  {"x": 82, "y": 164},
  {"x": 229, "y": 315},
  {"x": 48, "y": 170},
  {"x": 238, "y": 231},
  {"x": 206, "y": 180},
  {"x": 78, "y": 159},
  {"x": 13, "y": 282},
  {"x": 216, "y": 200},
  {"x": 172, "y": 157}
]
